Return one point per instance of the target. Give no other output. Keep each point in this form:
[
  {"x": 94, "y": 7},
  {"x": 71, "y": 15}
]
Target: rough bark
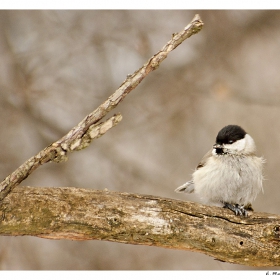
[{"x": 80, "y": 214}]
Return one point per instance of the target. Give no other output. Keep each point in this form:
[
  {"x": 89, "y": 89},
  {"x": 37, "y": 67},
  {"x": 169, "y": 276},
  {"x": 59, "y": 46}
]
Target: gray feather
[{"x": 186, "y": 188}]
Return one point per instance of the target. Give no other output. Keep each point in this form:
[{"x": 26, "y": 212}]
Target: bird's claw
[{"x": 236, "y": 208}]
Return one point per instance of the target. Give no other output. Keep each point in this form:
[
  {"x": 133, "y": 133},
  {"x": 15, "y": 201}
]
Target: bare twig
[
  {"x": 79, "y": 214},
  {"x": 56, "y": 153},
  {"x": 81, "y": 135}
]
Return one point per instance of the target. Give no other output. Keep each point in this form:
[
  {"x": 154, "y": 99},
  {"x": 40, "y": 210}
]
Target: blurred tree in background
[{"x": 57, "y": 66}]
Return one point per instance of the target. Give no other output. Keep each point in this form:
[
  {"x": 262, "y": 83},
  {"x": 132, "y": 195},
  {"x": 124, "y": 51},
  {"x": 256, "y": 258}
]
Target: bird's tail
[{"x": 186, "y": 188}]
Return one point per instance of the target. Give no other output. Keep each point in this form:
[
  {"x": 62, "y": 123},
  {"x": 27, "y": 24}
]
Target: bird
[{"x": 230, "y": 175}]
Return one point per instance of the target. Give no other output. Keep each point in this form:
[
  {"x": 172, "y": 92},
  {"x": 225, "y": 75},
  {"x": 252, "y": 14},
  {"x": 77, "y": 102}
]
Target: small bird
[{"x": 229, "y": 175}]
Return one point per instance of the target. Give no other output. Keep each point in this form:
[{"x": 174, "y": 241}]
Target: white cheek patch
[
  {"x": 250, "y": 144},
  {"x": 239, "y": 145},
  {"x": 246, "y": 145}
]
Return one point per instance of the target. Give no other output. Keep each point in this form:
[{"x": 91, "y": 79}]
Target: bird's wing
[
  {"x": 204, "y": 159},
  {"x": 189, "y": 186}
]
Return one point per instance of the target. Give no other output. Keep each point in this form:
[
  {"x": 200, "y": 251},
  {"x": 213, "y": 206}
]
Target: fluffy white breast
[{"x": 233, "y": 178}]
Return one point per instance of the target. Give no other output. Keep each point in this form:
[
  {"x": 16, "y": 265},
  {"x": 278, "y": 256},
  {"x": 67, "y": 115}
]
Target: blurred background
[{"x": 57, "y": 66}]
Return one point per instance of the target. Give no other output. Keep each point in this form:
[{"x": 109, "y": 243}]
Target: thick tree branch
[
  {"x": 81, "y": 135},
  {"x": 80, "y": 214}
]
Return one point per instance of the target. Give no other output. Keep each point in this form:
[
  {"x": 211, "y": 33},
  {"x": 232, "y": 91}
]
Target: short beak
[
  {"x": 218, "y": 149},
  {"x": 217, "y": 146}
]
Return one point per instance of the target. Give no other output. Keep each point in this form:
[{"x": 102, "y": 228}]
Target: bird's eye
[{"x": 230, "y": 141}]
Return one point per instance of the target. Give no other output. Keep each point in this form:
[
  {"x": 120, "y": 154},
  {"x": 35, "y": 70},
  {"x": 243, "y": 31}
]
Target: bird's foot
[{"x": 236, "y": 208}]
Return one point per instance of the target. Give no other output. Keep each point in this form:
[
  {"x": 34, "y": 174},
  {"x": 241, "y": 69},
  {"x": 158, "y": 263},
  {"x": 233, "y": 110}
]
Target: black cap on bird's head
[{"x": 230, "y": 134}]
